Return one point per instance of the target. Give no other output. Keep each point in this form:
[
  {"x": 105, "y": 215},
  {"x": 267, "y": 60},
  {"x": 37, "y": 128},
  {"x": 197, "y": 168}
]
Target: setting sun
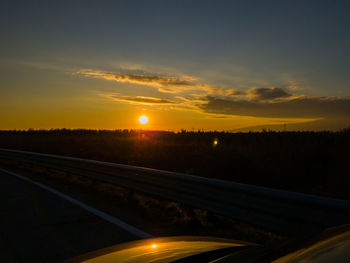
[{"x": 143, "y": 119}]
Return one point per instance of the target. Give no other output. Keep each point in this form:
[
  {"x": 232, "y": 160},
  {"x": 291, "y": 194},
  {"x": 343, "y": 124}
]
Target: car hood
[{"x": 160, "y": 250}]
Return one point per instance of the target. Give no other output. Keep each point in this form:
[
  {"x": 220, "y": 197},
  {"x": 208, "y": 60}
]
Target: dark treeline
[{"x": 310, "y": 162}]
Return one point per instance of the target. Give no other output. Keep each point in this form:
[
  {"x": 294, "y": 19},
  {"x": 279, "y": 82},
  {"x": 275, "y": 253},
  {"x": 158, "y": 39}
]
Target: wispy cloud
[
  {"x": 142, "y": 100},
  {"x": 189, "y": 93},
  {"x": 294, "y": 85},
  {"x": 226, "y": 92},
  {"x": 166, "y": 84}
]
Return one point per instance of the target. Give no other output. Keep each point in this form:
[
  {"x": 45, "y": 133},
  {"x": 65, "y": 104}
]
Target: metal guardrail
[{"x": 275, "y": 210}]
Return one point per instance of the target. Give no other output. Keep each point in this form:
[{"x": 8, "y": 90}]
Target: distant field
[{"x": 310, "y": 162}]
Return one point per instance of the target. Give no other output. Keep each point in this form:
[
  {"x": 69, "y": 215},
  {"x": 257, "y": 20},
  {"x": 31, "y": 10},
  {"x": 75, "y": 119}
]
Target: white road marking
[{"x": 131, "y": 229}]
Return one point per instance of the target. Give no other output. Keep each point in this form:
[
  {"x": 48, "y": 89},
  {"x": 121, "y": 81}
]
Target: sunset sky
[{"x": 212, "y": 65}]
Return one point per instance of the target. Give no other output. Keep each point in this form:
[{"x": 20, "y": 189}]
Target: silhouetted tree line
[{"x": 310, "y": 162}]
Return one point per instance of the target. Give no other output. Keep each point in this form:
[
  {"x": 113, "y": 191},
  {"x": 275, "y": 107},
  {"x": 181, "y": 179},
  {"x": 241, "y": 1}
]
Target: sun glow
[
  {"x": 143, "y": 119},
  {"x": 154, "y": 246}
]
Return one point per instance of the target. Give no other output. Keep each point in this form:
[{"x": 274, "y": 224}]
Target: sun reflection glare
[{"x": 154, "y": 245}]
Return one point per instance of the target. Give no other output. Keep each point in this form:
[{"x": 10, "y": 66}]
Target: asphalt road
[{"x": 39, "y": 226}]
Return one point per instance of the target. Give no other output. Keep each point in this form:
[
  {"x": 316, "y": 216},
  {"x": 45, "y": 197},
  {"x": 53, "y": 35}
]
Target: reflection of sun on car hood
[
  {"x": 333, "y": 249},
  {"x": 160, "y": 250}
]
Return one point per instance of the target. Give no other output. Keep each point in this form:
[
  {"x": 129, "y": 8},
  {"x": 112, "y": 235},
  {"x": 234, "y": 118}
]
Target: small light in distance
[
  {"x": 215, "y": 142},
  {"x": 143, "y": 119},
  {"x": 154, "y": 245}
]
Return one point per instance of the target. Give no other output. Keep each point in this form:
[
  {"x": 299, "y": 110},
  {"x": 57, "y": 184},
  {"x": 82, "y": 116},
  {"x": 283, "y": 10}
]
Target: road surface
[{"x": 39, "y": 226}]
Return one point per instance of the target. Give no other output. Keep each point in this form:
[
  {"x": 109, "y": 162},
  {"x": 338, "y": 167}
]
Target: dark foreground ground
[{"x": 309, "y": 162}]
